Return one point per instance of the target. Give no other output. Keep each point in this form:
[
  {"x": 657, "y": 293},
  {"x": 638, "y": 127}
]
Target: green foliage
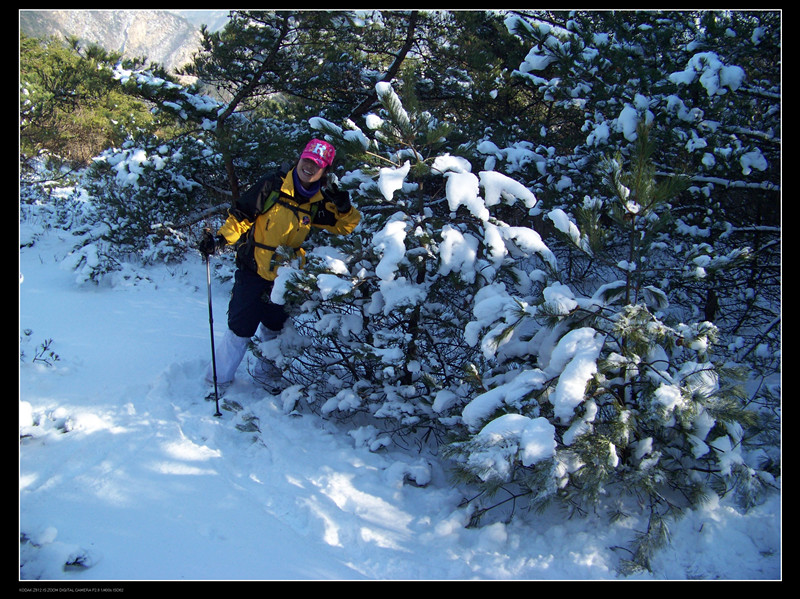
[
  {"x": 142, "y": 194},
  {"x": 700, "y": 84},
  {"x": 636, "y": 404},
  {"x": 705, "y": 86},
  {"x": 70, "y": 105},
  {"x": 389, "y": 344}
]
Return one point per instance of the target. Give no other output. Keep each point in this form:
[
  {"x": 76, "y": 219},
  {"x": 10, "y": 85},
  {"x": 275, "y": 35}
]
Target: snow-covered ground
[{"x": 125, "y": 473}]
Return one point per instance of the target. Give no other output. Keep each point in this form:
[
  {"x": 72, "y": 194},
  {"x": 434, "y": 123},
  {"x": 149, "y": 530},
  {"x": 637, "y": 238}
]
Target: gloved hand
[
  {"x": 209, "y": 244},
  {"x": 340, "y": 199}
]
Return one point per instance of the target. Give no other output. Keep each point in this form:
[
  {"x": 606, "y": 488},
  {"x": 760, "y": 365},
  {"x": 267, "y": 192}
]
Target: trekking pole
[{"x": 211, "y": 325}]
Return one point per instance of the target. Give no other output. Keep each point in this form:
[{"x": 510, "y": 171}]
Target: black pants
[{"x": 250, "y": 305}]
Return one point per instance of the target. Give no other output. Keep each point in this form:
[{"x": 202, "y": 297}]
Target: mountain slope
[{"x": 158, "y": 35}]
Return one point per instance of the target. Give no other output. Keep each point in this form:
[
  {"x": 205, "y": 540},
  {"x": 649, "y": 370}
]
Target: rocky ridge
[{"x": 160, "y": 36}]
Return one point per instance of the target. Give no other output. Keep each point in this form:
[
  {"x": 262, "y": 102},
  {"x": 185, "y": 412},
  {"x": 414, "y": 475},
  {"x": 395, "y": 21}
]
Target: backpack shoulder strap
[
  {"x": 259, "y": 197},
  {"x": 271, "y": 190}
]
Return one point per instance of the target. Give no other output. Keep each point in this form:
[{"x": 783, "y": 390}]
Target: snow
[
  {"x": 565, "y": 225},
  {"x": 535, "y": 437},
  {"x": 482, "y": 407},
  {"x": 390, "y": 243},
  {"x": 713, "y": 75},
  {"x": 753, "y": 159},
  {"x": 627, "y": 122},
  {"x": 125, "y": 471},
  {"x": 575, "y": 357},
  {"x": 391, "y": 179},
  {"x": 463, "y": 190},
  {"x": 458, "y": 253},
  {"x": 498, "y": 185}
]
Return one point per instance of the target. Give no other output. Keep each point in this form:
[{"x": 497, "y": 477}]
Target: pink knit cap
[{"x": 320, "y": 152}]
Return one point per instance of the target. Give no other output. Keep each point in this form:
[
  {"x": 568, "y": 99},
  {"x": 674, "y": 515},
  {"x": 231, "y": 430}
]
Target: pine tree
[
  {"x": 706, "y": 83},
  {"x": 384, "y": 310},
  {"x": 148, "y": 191},
  {"x": 707, "y": 86},
  {"x": 602, "y": 398},
  {"x": 70, "y": 106}
]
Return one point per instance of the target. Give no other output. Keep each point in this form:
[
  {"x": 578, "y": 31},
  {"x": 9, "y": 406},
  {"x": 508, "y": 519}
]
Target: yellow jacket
[{"x": 269, "y": 217}]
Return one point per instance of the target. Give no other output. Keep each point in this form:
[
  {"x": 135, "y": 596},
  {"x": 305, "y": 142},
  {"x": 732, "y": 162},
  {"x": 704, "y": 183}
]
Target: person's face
[{"x": 309, "y": 171}]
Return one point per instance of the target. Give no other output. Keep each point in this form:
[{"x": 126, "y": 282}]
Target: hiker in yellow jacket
[{"x": 269, "y": 220}]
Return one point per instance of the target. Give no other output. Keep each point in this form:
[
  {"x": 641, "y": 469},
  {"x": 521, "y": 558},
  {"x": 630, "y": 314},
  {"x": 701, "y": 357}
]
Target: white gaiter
[{"x": 229, "y": 353}]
